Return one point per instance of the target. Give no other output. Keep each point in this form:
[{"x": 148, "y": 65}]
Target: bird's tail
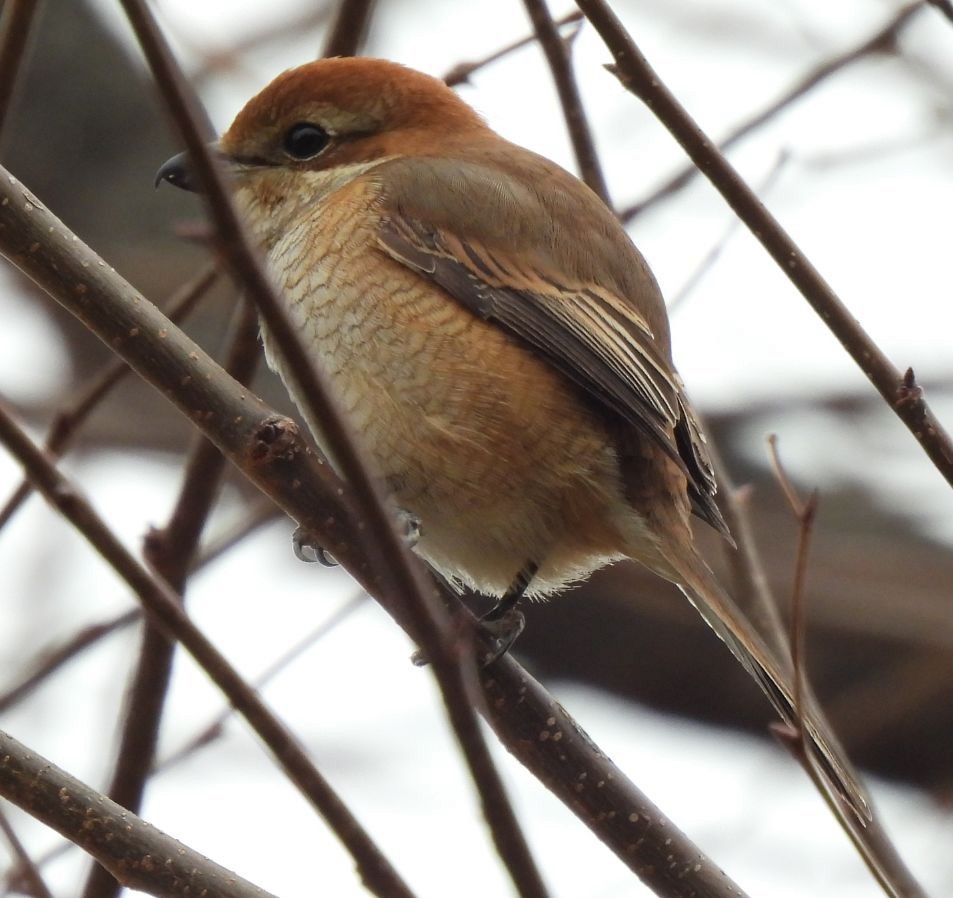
[{"x": 722, "y": 614}]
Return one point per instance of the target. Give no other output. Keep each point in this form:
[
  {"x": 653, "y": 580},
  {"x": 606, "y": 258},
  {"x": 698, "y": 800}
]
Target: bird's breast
[{"x": 498, "y": 454}]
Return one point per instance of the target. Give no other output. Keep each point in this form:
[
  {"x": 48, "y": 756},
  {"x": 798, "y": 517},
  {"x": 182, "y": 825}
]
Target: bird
[{"x": 498, "y": 343}]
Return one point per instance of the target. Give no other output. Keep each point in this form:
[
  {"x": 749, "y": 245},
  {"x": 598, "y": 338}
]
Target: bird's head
[{"x": 318, "y": 125}]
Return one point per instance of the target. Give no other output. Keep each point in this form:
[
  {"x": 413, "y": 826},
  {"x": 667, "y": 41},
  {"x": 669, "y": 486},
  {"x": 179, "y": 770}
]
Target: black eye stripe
[{"x": 305, "y": 140}]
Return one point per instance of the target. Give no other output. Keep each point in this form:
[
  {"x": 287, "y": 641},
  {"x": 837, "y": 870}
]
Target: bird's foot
[
  {"x": 493, "y": 637},
  {"x": 307, "y": 548},
  {"x": 498, "y": 632}
]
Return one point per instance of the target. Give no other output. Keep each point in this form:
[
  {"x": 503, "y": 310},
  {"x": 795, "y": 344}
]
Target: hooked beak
[
  {"x": 178, "y": 170},
  {"x": 178, "y": 173}
]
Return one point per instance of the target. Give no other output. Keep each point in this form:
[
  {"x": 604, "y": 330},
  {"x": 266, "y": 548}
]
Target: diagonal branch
[
  {"x": 884, "y": 39},
  {"x": 137, "y": 854},
  {"x": 170, "y": 552},
  {"x": 560, "y": 63},
  {"x": 900, "y": 393},
  {"x": 165, "y": 607},
  {"x": 461, "y": 72},
  {"x": 71, "y": 415},
  {"x": 25, "y": 877}
]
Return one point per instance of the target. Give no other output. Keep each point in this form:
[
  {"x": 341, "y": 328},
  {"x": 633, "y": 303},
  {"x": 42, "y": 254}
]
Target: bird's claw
[
  {"x": 307, "y": 549},
  {"x": 499, "y": 633},
  {"x": 408, "y": 525},
  {"x": 495, "y": 636}
]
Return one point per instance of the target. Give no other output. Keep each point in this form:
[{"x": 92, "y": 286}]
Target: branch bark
[{"x": 137, "y": 854}]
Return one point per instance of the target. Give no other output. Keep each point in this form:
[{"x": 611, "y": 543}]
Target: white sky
[{"x": 875, "y": 220}]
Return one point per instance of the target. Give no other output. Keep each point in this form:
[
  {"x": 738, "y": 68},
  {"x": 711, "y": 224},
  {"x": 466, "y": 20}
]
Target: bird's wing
[{"x": 585, "y": 330}]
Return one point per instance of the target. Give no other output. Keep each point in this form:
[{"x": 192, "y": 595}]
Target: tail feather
[{"x": 722, "y": 614}]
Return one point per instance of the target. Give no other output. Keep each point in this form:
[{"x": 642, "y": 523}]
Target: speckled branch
[{"x": 137, "y": 854}]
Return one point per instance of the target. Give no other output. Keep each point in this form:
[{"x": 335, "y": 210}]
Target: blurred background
[{"x": 859, "y": 168}]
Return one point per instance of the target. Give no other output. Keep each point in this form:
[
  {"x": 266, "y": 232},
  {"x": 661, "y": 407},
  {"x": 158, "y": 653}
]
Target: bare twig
[
  {"x": 560, "y": 64},
  {"x": 871, "y": 842},
  {"x": 137, "y": 854},
  {"x": 16, "y": 16},
  {"x": 636, "y": 75},
  {"x": 213, "y": 730},
  {"x": 944, "y": 6},
  {"x": 277, "y": 31},
  {"x": 48, "y": 661},
  {"x": 267, "y": 449},
  {"x": 51, "y": 661},
  {"x": 390, "y": 557},
  {"x": 71, "y": 415},
  {"x": 170, "y": 552},
  {"x": 25, "y": 877},
  {"x": 164, "y": 605},
  {"x": 883, "y": 40},
  {"x": 711, "y": 257},
  {"x": 461, "y": 72},
  {"x": 349, "y": 28}
]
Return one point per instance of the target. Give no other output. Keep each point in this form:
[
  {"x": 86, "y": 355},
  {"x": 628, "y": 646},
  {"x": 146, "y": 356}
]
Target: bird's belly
[{"x": 494, "y": 451}]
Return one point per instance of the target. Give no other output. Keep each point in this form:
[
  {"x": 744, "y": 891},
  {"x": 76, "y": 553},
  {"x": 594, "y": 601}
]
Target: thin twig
[
  {"x": 137, "y": 854},
  {"x": 213, "y": 730},
  {"x": 170, "y": 552},
  {"x": 26, "y": 876},
  {"x": 461, "y": 72},
  {"x": 884, "y": 39},
  {"x": 73, "y": 413},
  {"x": 873, "y": 846},
  {"x": 558, "y": 56},
  {"x": 51, "y": 660},
  {"x": 349, "y": 28},
  {"x": 711, "y": 257},
  {"x": 48, "y": 661},
  {"x": 165, "y": 607},
  {"x": 805, "y": 511},
  {"x": 16, "y": 17},
  {"x": 944, "y": 6},
  {"x": 392, "y": 560},
  {"x": 901, "y": 393},
  {"x": 752, "y": 591}
]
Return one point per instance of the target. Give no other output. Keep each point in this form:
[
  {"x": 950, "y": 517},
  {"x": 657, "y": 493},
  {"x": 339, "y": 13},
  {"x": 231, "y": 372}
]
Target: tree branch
[
  {"x": 170, "y": 552},
  {"x": 884, "y": 38},
  {"x": 71, "y": 415},
  {"x": 900, "y": 392},
  {"x": 137, "y": 854},
  {"x": 461, "y": 72},
  {"x": 560, "y": 64},
  {"x": 349, "y": 28},
  {"x": 164, "y": 606}
]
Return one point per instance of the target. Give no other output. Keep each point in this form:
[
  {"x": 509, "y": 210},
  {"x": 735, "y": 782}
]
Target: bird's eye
[{"x": 305, "y": 140}]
